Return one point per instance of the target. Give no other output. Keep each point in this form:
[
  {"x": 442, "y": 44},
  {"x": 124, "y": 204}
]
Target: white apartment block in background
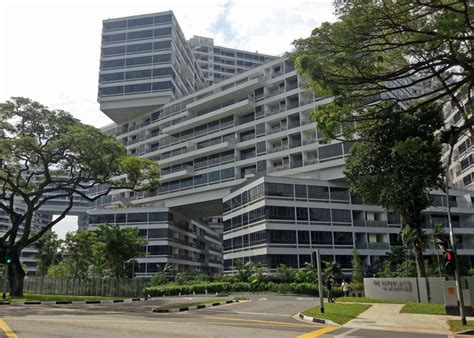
[
  {"x": 219, "y": 63},
  {"x": 461, "y": 171}
]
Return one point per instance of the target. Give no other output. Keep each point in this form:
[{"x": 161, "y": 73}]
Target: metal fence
[{"x": 97, "y": 286}]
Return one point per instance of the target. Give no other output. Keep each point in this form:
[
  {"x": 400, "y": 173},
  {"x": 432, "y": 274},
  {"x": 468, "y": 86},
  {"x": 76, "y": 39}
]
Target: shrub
[
  {"x": 158, "y": 279},
  {"x": 201, "y": 277},
  {"x": 173, "y": 289}
]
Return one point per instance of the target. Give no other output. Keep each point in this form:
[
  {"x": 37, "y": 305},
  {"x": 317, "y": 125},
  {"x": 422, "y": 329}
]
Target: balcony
[
  {"x": 311, "y": 162},
  {"x": 278, "y": 168},
  {"x": 276, "y": 130},
  {"x": 245, "y": 105},
  {"x": 188, "y": 171},
  {"x": 277, "y": 149},
  {"x": 379, "y": 246},
  {"x": 376, "y": 224}
]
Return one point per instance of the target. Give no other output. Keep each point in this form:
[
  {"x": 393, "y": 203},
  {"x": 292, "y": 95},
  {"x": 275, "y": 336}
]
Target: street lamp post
[{"x": 453, "y": 136}]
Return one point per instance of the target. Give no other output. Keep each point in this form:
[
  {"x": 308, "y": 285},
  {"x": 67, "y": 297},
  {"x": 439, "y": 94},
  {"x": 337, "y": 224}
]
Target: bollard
[
  {"x": 180, "y": 294},
  {"x": 205, "y": 292},
  {"x": 194, "y": 293}
]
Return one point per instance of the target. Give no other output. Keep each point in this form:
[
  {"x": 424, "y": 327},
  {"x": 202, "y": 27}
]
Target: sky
[{"x": 50, "y": 50}]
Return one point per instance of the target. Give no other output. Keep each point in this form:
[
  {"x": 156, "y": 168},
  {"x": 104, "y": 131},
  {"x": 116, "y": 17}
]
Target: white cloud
[{"x": 50, "y": 49}]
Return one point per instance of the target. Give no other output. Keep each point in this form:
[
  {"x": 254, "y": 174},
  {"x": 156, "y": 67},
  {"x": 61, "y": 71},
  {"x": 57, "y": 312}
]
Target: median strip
[{"x": 193, "y": 306}]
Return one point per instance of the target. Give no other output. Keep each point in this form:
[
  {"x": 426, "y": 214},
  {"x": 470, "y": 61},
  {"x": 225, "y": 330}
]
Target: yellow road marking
[
  {"x": 259, "y": 321},
  {"x": 7, "y": 329},
  {"x": 319, "y": 332}
]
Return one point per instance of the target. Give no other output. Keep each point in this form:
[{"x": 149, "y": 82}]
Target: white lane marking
[
  {"x": 263, "y": 298},
  {"x": 251, "y": 313},
  {"x": 299, "y": 298},
  {"x": 347, "y": 333}
]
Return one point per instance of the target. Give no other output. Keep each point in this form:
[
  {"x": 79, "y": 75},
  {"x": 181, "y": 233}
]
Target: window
[
  {"x": 247, "y": 153},
  {"x": 161, "y": 58},
  {"x": 330, "y": 151},
  {"x": 302, "y": 214},
  {"x": 320, "y": 215},
  {"x": 279, "y": 189},
  {"x": 256, "y": 215},
  {"x": 111, "y": 77},
  {"x": 341, "y": 215},
  {"x": 138, "y": 74},
  {"x": 289, "y": 260},
  {"x": 262, "y": 166},
  {"x": 227, "y": 173},
  {"x": 341, "y": 194},
  {"x": 137, "y": 88},
  {"x": 301, "y": 191},
  {"x": 139, "y": 35},
  {"x": 281, "y": 213},
  {"x": 282, "y": 236},
  {"x": 158, "y": 216},
  {"x": 140, "y": 22},
  {"x": 137, "y": 217},
  {"x": 321, "y": 237},
  {"x": 112, "y": 64},
  {"x": 110, "y": 26},
  {"x": 138, "y": 48},
  {"x": 214, "y": 176},
  {"x": 113, "y": 38},
  {"x": 261, "y": 147},
  {"x": 343, "y": 238},
  {"x": 258, "y": 237},
  {"x": 157, "y": 72},
  {"x": 303, "y": 237},
  {"x": 111, "y": 91},
  {"x": 162, "y": 85},
  {"x": 143, "y": 60},
  {"x": 158, "y": 250},
  {"x": 318, "y": 192},
  {"x": 162, "y": 31},
  {"x": 163, "y": 18},
  {"x": 113, "y": 50},
  {"x": 162, "y": 45},
  {"x": 120, "y": 218}
]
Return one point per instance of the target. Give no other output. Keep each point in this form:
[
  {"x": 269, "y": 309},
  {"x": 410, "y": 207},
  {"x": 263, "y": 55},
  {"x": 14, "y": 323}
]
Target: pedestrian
[
  {"x": 345, "y": 288},
  {"x": 330, "y": 285}
]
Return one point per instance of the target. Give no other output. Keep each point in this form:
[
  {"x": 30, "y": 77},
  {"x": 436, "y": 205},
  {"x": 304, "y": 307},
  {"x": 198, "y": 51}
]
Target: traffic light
[
  {"x": 9, "y": 260},
  {"x": 449, "y": 262}
]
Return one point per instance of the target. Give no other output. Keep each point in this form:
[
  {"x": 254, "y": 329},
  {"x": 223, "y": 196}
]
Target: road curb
[
  {"x": 79, "y": 302},
  {"x": 317, "y": 320},
  {"x": 195, "y": 307}
]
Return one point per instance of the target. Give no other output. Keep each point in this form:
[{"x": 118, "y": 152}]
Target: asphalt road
[{"x": 263, "y": 316}]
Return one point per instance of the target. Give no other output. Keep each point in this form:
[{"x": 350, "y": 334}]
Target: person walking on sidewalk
[
  {"x": 330, "y": 285},
  {"x": 345, "y": 288}
]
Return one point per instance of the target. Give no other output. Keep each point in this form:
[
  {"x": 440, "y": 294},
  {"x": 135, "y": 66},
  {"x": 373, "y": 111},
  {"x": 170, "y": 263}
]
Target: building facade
[
  {"x": 279, "y": 220},
  {"x": 219, "y": 63}
]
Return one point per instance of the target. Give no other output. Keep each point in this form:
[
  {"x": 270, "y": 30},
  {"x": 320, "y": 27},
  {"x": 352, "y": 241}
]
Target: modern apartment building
[
  {"x": 217, "y": 144},
  {"x": 280, "y": 220},
  {"x": 219, "y": 63},
  {"x": 145, "y": 62}
]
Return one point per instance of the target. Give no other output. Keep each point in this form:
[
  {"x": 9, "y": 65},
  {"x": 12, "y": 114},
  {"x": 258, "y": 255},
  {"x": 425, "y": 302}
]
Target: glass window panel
[
  {"x": 140, "y": 47},
  {"x": 140, "y": 22},
  {"x": 139, "y": 35},
  {"x": 113, "y": 25}
]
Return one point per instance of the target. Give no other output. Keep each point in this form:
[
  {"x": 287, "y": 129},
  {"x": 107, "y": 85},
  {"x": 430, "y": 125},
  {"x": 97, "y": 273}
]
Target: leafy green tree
[
  {"x": 47, "y": 154},
  {"x": 48, "y": 252},
  {"x": 395, "y": 164},
  {"x": 381, "y": 52},
  {"x": 158, "y": 279},
  {"x": 357, "y": 274},
  {"x": 118, "y": 245},
  {"x": 79, "y": 253}
]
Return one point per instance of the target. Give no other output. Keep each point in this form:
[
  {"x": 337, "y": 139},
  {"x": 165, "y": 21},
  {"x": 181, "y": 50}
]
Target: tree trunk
[
  {"x": 421, "y": 270},
  {"x": 16, "y": 274}
]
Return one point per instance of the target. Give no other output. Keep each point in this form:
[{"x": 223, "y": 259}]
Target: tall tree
[
  {"x": 118, "y": 246},
  {"x": 48, "y": 252},
  {"x": 47, "y": 154},
  {"x": 357, "y": 274},
  {"x": 79, "y": 252},
  {"x": 395, "y": 164},
  {"x": 384, "y": 52}
]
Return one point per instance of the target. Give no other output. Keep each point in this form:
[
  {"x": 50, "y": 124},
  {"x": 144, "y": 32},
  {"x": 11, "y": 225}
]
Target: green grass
[
  {"x": 367, "y": 300},
  {"x": 53, "y": 298},
  {"x": 336, "y": 312},
  {"x": 455, "y": 326},
  {"x": 423, "y": 308},
  {"x": 204, "y": 302}
]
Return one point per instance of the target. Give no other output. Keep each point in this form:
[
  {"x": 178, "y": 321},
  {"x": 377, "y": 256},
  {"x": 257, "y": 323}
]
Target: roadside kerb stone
[
  {"x": 316, "y": 320},
  {"x": 194, "y": 307},
  {"x": 76, "y": 302}
]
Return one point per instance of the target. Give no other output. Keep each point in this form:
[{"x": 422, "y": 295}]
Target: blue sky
[{"x": 50, "y": 49}]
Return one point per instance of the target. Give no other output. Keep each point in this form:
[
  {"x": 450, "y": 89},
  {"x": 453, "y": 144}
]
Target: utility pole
[
  {"x": 317, "y": 260},
  {"x": 453, "y": 136}
]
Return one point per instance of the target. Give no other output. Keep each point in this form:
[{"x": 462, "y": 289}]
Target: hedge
[{"x": 200, "y": 288}]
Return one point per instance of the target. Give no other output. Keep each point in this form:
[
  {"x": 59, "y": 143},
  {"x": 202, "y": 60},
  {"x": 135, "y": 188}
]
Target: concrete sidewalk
[{"x": 388, "y": 317}]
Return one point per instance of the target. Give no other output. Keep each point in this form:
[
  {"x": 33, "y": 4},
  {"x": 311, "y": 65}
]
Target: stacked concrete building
[{"x": 244, "y": 175}]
